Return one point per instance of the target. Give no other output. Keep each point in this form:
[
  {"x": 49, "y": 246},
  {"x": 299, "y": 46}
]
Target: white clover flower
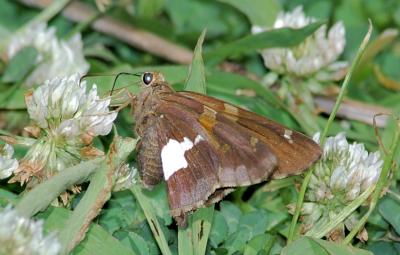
[
  {"x": 63, "y": 108},
  {"x": 20, "y": 236},
  {"x": 342, "y": 174},
  {"x": 68, "y": 117},
  {"x": 344, "y": 167},
  {"x": 7, "y": 164},
  {"x": 318, "y": 51},
  {"x": 56, "y": 58}
]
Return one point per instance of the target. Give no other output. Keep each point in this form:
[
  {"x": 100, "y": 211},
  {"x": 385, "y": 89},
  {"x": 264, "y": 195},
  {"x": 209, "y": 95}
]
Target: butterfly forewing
[{"x": 295, "y": 151}]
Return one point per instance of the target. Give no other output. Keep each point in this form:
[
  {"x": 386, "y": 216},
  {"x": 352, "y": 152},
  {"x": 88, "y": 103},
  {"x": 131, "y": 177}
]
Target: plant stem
[
  {"x": 346, "y": 83},
  {"x": 49, "y": 190},
  {"x": 85, "y": 24},
  {"x": 97, "y": 194},
  {"x": 49, "y": 12},
  {"x": 382, "y": 182},
  {"x": 339, "y": 100},
  {"x": 319, "y": 231}
]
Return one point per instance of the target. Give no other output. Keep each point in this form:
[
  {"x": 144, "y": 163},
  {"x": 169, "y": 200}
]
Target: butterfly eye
[{"x": 147, "y": 78}]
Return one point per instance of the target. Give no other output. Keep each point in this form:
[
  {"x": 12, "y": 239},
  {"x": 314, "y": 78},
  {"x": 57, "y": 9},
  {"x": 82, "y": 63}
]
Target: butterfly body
[{"x": 204, "y": 147}]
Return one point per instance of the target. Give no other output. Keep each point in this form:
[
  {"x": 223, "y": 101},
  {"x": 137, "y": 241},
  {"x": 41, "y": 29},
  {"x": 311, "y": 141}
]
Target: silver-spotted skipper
[{"x": 204, "y": 147}]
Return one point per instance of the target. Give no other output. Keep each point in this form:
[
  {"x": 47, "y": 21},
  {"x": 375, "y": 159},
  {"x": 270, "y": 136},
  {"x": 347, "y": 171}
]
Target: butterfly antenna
[
  {"x": 93, "y": 75},
  {"x": 122, "y": 73}
]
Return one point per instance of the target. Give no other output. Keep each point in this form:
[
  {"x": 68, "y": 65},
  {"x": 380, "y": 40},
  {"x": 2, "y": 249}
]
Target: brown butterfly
[{"x": 204, "y": 147}]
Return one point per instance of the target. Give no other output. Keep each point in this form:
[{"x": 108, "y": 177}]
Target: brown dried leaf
[
  {"x": 33, "y": 131},
  {"x": 90, "y": 152}
]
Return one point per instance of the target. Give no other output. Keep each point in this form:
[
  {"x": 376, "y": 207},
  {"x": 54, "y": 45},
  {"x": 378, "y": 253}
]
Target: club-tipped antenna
[{"x": 115, "y": 80}]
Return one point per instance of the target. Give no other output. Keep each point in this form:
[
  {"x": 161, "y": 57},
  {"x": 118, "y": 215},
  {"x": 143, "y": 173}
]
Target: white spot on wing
[
  {"x": 288, "y": 135},
  {"x": 173, "y": 156},
  {"x": 198, "y": 139}
]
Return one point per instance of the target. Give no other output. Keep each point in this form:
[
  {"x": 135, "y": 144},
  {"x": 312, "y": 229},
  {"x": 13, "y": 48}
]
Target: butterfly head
[{"x": 150, "y": 79}]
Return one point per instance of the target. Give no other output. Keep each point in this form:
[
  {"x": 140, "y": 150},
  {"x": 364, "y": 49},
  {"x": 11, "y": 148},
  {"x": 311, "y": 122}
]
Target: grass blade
[
  {"x": 196, "y": 80},
  {"x": 185, "y": 243},
  {"x": 201, "y": 227},
  {"x": 152, "y": 220},
  {"x": 193, "y": 239},
  {"x": 260, "y": 12}
]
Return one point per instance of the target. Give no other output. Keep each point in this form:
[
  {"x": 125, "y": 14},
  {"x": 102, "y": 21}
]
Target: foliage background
[{"x": 254, "y": 220}]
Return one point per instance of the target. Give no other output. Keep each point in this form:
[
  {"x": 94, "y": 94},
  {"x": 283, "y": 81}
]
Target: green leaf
[
  {"x": 389, "y": 209},
  {"x": 149, "y": 8},
  {"x": 219, "y": 229},
  {"x": 232, "y": 215},
  {"x": 189, "y": 19},
  {"x": 304, "y": 245},
  {"x": 275, "y": 38},
  {"x": 196, "y": 80},
  {"x": 121, "y": 210},
  {"x": 137, "y": 242},
  {"x": 20, "y": 65},
  {"x": 340, "y": 249},
  {"x": 158, "y": 198},
  {"x": 97, "y": 239},
  {"x": 377, "y": 221},
  {"x": 250, "y": 225},
  {"x": 142, "y": 230},
  {"x": 7, "y": 197},
  {"x": 384, "y": 248},
  {"x": 314, "y": 246},
  {"x": 262, "y": 242},
  {"x": 259, "y": 12},
  {"x": 13, "y": 98},
  {"x": 193, "y": 239}
]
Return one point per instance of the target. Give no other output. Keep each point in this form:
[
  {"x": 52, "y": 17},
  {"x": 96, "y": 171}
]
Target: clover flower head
[
  {"x": 19, "y": 236},
  {"x": 318, "y": 51},
  {"x": 68, "y": 117},
  {"x": 63, "y": 108},
  {"x": 344, "y": 167},
  {"x": 56, "y": 57},
  {"x": 7, "y": 163},
  {"x": 342, "y": 174}
]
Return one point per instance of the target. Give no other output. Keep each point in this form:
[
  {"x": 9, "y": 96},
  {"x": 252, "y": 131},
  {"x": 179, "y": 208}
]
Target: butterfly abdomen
[{"x": 149, "y": 159}]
